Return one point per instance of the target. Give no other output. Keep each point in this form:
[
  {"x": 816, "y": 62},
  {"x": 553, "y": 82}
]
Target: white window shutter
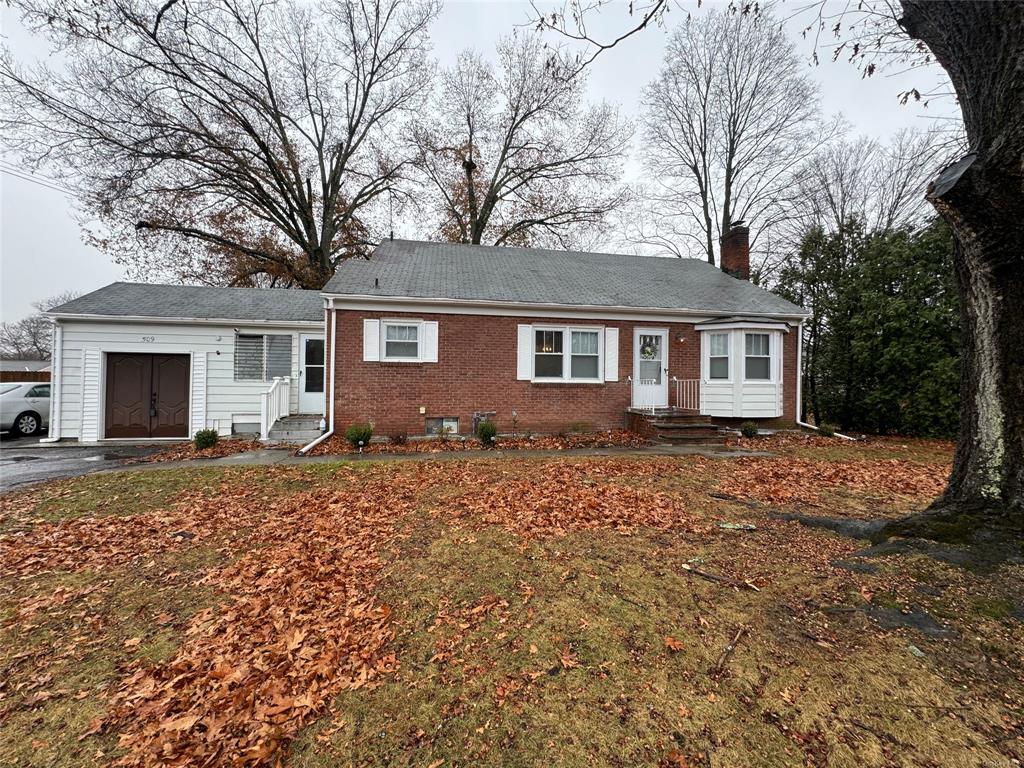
[
  {"x": 371, "y": 340},
  {"x": 611, "y": 354},
  {"x": 524, "y": 356},
  {"x": 429, "y": 352}
]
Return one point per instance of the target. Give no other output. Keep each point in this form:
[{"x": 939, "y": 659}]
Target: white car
[{"x": 24, "y": 407}]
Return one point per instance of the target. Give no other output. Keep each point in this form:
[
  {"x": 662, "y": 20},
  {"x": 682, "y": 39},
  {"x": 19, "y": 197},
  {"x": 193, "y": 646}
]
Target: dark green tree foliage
[{"x": 881, "y": 349}]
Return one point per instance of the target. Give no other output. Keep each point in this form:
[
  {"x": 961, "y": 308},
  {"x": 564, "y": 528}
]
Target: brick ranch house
[{"x": 424, "y": 337}]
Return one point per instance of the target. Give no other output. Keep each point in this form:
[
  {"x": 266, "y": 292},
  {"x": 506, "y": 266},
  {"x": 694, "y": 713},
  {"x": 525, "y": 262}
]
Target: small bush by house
[
  {"x": 748, "y": 429},
  {"x": 359, "y": 434},
  {"x": 205, "y": 438},
  {"x": 487, "y": 431}
]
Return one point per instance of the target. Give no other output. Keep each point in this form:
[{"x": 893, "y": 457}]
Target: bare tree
[
  {"x": 31, "y": 337},
  {"x": 980, "y": 46},
  {"x": 727, "y": 122},
  {"x": 244, "y": 140},
  {"x": 513, "y": 156},
  {"x": 881, "y": 184}
]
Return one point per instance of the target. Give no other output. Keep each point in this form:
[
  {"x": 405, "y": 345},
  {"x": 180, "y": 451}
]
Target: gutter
[
  {"x": 330, "y": 409},
  {"x": 57, "y": 359},
  {"x": 540, "y": 307},
  {"x": 800, "y": 381}
]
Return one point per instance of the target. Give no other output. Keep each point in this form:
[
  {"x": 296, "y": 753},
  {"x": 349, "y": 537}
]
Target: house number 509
[{"x": 149, "y": 339}]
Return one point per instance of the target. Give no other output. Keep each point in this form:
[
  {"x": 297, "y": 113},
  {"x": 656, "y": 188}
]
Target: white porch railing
[
  {"x": 687, "y": 394},
  {"x": 644, "y": 393},
  {"x": 274, "y": 404}
]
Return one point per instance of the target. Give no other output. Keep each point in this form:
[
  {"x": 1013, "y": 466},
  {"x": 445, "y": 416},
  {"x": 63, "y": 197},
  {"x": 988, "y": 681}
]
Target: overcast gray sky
[{"x": 42, "y": 254}]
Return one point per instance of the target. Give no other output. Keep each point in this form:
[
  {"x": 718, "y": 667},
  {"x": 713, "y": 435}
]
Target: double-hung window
[
  {"x": 757, "y": 361},
  {"x": 548, "y": 357},
  {"x": 261, "y": 357},
  {"x": 718, "y": 356},
  {"x": 401, "y": 341},
  {"x": 567, "y": 354}
]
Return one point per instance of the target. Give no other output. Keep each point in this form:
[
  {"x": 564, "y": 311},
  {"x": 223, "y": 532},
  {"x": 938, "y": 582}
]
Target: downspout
[
  {"x": 56, "y": 361},
  {"x": 330, "y": 408},
  {"x": 800, "y": 381}
]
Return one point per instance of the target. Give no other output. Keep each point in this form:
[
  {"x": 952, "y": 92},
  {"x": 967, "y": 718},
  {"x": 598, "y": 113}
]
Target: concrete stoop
[{"x": 300, "y": 428}]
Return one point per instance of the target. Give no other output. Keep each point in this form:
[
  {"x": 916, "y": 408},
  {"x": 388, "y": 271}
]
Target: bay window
[
  {"x": 718, "y": 359},
  {"x": 757, "y": 363}
]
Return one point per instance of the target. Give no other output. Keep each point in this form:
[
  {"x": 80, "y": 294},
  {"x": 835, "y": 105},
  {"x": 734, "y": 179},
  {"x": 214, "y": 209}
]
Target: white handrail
[
  {"x": 687, "y": 394},
  {"x": 274, "y": 404},
  {"x": 643, "y": 393}
]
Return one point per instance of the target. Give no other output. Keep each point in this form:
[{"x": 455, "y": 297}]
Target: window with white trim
[
  {"x": 401, "y": 341},
  {"x": 567, "y": 354},
  {"x": 718, "y": 356},
  {"x": 261, "y": 357},
  {"x": 757, "y": 361},
  {"x": 585, "y": 357}
]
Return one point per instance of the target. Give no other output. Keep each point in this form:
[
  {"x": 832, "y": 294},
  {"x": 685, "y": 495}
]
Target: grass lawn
[{"x": 517, "y": 612}]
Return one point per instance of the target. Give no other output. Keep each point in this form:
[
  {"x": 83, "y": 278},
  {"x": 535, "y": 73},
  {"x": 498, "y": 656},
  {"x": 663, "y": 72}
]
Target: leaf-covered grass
[{"x": 571, "y": 612}]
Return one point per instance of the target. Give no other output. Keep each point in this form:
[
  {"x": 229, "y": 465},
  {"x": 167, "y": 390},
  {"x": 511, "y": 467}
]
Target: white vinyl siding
[{"x": 217, "y": 399}]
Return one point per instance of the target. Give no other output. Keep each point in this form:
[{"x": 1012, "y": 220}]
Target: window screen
[
  {"x": 262, "y": 357},
  {"x": 248, "y": 358}
]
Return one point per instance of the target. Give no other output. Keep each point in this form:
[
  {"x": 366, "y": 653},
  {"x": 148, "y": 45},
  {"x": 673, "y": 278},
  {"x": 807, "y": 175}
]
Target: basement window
[{"x": 442, "y": 425}]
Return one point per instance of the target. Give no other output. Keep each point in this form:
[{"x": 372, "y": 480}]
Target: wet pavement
[{"x": 24, "y": 460}]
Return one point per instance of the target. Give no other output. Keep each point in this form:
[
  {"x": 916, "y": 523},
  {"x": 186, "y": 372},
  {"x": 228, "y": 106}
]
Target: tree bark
[{"x": 981, "y": 46}]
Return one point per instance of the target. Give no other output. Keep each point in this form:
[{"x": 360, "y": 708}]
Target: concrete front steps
[
  {"x": 679, "y": 427},
  {"x": 300, "y": 428}
]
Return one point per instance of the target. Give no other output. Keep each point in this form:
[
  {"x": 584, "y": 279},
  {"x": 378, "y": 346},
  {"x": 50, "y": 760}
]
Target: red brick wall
[{"x": 476, "y": 371}]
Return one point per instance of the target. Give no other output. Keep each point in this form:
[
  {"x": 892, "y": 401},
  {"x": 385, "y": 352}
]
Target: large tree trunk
[{"x": 981, "y": 46}]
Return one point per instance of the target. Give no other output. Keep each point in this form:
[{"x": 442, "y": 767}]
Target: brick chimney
[{"x": 736, "y": 252}]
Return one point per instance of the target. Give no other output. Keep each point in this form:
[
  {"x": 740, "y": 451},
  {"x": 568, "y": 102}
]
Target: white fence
[{"x": 274, "y": 404}]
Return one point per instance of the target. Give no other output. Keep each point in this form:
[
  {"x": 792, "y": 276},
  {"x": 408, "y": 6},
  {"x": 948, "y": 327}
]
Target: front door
[
  {"x": 311, "y": 374},
  {"x": 146, "y": 395},
  {"x": 650, "y": 368}
]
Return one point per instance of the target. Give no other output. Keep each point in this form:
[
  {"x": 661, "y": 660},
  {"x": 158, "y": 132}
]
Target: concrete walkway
[{"x": 286, "y": 456}]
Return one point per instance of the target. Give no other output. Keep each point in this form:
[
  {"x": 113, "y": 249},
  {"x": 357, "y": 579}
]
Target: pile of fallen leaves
[
  {"x": 792, "y": 479},
  {"x": 299, "y": 622},
  {"x": 619, "y": 438},
  {"x": 562, "y": 498},
  {"x": 779, "y": 440},
  {"x": 187, "y": 451}
]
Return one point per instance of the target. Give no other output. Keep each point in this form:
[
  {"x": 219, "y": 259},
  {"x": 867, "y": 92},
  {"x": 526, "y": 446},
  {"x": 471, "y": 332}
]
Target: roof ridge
[{"x": 540, "y": 251}]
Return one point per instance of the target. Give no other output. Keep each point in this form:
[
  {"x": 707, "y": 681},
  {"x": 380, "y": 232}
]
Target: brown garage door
[{"x": 147, "y": 395}]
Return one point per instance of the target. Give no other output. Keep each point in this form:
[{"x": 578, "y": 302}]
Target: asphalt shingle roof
[
  {"x": 407, "y": 268},
  {"x": 197, "y": 303}
]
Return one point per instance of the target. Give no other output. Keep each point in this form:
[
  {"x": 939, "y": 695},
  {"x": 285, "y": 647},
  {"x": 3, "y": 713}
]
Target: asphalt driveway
[{"x": 24, "y": 461}]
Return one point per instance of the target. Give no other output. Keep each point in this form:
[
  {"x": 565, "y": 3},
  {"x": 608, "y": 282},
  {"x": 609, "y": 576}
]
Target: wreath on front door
[{"x": 648, "y": 350}]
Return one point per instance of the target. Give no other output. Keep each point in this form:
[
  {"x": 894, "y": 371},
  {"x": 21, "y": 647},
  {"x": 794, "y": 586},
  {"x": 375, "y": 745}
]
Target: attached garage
[
  {"x": 147, "y": 395},
  {"x": 149, "y": 362}
]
